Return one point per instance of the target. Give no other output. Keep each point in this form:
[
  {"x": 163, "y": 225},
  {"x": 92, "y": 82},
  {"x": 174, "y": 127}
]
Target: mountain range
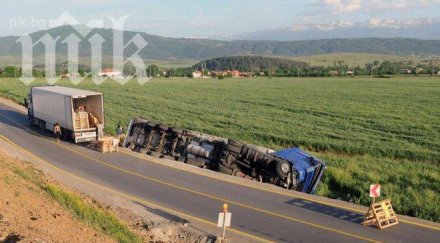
[
  {"x": 422, "y": 28},
  {"x": 165, "y": 48}
]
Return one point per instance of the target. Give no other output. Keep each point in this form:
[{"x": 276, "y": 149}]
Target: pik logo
[{"x": 96, "y": 41}]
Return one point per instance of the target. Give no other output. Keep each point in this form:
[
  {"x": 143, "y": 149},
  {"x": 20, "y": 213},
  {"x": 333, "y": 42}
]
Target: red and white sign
[{"x": 375, "y": 190}]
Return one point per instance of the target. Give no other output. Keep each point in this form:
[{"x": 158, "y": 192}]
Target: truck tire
[
  {"x": 177, "y": 131},
  {"x": 42, "y": 125},
  {"x": 234, "y": 149},
  {"x": 282, "y": 168},
  {"x": 152, "y": 124},
  {"x": 249, "y": 153},
  {"x": 235, "y": 143},
  {"x": 162, "y": 127}
]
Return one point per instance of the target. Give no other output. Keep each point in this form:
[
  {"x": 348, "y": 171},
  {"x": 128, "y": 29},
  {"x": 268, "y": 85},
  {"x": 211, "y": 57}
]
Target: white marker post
[{"x": 224, "y": 220}]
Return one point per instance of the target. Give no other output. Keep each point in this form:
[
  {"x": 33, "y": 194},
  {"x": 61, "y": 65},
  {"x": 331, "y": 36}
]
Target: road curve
[{"x": 259, "y": 214}]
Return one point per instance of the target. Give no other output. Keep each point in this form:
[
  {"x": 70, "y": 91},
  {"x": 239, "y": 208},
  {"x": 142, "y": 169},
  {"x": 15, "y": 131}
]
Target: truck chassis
[{"x": 219, "y": 154}]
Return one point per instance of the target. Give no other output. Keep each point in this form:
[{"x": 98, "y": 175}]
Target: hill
[{"x": 164, "y": 48}]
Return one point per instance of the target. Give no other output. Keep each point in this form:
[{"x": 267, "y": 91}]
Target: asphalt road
[{"x": 268, "y": 216}]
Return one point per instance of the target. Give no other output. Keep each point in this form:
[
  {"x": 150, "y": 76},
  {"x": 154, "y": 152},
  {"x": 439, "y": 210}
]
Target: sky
[{"x": 206, "y": 18}]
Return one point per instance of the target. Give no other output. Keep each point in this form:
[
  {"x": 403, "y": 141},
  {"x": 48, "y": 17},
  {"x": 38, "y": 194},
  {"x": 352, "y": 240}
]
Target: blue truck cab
[{"x": 308, "y": 169}]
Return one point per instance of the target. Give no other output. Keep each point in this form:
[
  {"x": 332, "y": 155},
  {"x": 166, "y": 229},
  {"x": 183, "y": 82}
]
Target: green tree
[
  {"x": 152, "y": 71},
  {"x": 10, "y": 72},
  {"x": 386, "y": 68}
]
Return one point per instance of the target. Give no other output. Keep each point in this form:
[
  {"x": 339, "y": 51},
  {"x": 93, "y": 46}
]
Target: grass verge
[{"x": 86, "y": 212}]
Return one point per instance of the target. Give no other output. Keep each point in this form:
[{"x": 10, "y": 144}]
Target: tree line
[{"x": 260, "y": 66}]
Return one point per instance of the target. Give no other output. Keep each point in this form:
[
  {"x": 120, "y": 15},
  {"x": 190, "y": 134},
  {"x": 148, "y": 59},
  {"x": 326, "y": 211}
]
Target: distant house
[
  {"x": 109, "y": 72},
  {"x": 406, "y": 71},
  {"x": 420, "y": 70},
  {"x": 246, "y": 74},
  {"x": 197, "y": 74},
  {"x": 70, "y": 75},
  {"x": 349, "y": 73},
  {"x": 235, "y": 73},
  {"x": 438, "y": 73},
  {"x": 333, "y": 73}
]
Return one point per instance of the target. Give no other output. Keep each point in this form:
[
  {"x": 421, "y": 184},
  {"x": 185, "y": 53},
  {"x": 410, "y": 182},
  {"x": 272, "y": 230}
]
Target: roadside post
[
  {"x": 374, "y": 191},
  {"x": 379, "y": 214},
  {"x": 224, "y": 220}
]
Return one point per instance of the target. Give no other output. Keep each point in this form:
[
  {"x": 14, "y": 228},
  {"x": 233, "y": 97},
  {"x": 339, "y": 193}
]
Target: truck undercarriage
[{"x": 225, "y": 155}]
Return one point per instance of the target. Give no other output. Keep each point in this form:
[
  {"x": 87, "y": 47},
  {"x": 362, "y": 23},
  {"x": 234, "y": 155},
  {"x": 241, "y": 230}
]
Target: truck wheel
[
  {"x": 282, "y": 168},
  {"x": 235, "y": 143},
  {"x": 230, "y": 160},
  {"x": 65, "y": 134},
  {"x": 42, "y": 125},
  {"x": 234, "y": 149},
  {"x": 162, "y": 127},
  {"x": 177, "y": 131},
  {"x": 151, "y": 124}
]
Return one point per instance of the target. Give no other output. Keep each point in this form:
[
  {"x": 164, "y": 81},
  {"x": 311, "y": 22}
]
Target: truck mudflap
[{"x": 290, "y": 168}]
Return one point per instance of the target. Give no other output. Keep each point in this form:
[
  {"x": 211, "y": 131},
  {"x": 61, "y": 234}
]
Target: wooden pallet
[
  {"x": 381, "y": 214},
  {"x": 107, "y": 145},
  {"x": 81, "y": 120}
]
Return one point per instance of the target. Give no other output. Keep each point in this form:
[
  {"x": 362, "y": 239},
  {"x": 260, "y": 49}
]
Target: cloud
[{"x": 344, "y": 5}]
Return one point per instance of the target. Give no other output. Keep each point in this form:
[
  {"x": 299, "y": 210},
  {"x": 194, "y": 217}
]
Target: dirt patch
[{"x": 28, "y": 215}]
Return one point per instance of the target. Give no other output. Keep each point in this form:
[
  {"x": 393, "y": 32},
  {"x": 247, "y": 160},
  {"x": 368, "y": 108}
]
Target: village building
[
  {"x": 197, "y": 74},
  {"x": 109, "y": 72}
]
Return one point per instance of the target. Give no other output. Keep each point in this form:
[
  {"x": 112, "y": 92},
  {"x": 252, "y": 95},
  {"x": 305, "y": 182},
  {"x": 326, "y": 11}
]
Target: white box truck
[{"x": 80, "y": 113}]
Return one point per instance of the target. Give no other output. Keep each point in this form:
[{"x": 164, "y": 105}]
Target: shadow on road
[
  {"x": 328, "y": 210},
  {"x": 21, "y": 121}
]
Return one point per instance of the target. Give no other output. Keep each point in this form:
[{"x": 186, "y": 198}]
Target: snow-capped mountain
[{"x": 423, "y": 28}]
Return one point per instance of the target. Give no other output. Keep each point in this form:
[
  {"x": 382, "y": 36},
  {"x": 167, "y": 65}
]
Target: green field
[{"x": 367, "y": 130}]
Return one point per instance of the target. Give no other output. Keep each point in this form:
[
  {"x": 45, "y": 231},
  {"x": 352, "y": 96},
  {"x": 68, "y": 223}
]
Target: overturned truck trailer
[{"x": 288, "y": 168}]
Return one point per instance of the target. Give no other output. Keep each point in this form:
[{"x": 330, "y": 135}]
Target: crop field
[{"x": 367, "y": 130}]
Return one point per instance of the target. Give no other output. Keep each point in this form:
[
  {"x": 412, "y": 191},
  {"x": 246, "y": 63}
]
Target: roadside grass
[
  {"x": 367, "y": 130},
  {"x": 97, "y": 218},
  {"x": 86, "y": 212},
  {"x": 412, "y": 186}
]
